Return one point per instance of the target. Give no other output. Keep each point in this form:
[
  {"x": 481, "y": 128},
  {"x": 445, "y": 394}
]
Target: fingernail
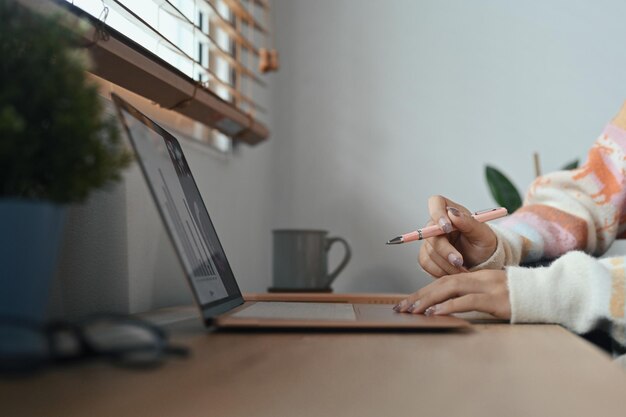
[
  {"x": 396, "y": 308},
  {"x": 414, "y": 307},
  {"x": 454, "y": 211},
  {"x": 401, "y": 306},
  {"x": 431, "y": 310},
  {"x": 455, "y": 260},
  {"x": 445, "y": 225}
]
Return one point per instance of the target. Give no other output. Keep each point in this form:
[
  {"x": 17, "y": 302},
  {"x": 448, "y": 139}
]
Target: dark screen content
[
  {"x": 181, "y": 207},
  {"x": 197, "y": 211}
]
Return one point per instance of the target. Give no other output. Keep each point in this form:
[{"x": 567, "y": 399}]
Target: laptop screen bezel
[{"x": 209, "y": 310}]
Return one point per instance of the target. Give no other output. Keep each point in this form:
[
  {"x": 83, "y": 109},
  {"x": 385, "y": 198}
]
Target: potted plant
[{"x": 56, "y": 146}]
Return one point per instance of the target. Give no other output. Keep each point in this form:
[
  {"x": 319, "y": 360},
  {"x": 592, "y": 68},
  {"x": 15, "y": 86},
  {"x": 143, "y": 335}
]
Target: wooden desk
[{"x": 495, "y": 370}]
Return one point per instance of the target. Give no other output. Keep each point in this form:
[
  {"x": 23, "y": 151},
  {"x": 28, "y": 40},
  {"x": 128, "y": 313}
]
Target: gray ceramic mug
[{"x": 301, "y": 260}]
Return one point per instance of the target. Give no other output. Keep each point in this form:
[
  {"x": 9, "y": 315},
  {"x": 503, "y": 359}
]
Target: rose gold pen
[{"x": 434, "y": 230}]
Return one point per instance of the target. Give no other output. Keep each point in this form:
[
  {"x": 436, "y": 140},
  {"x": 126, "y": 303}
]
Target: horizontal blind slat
[
  {"x": 212, "y": 43},
  {"x": 230, "y": 30},
  {"x": 118, "y": 5},
  {"x": 239, "y": 10}
]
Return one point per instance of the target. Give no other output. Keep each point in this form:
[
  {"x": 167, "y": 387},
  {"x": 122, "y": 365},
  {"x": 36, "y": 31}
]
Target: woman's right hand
[{"x": 469, "y": 245}]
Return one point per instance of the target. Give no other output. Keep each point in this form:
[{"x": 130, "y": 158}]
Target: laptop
[{"x": 206, "y": 267}]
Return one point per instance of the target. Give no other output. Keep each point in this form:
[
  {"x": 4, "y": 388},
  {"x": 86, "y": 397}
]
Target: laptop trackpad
[{"x": 280, "y": 310}]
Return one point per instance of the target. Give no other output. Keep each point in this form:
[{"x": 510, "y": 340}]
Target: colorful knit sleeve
[{"x": 582, "y": 209}]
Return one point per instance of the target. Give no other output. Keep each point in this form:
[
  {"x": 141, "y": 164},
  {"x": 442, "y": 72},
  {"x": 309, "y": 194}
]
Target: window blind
[{"x": 200, "y": 58}]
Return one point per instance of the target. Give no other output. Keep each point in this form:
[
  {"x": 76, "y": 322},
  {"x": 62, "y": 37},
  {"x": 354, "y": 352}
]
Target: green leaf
[
  {"x": 571, "y": 165},
  {"x": 502, "y": 189}
]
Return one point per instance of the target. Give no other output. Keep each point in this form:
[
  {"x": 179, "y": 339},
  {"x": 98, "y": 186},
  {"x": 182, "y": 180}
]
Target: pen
[{"x": 434, "y": 230}]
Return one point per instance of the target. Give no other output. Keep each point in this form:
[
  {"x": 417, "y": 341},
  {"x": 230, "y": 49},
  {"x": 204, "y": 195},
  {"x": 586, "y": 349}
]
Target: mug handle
[{"x": 346, "y": 258}]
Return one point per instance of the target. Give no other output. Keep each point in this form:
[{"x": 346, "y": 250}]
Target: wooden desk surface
[{"x": 493, "y": 370}]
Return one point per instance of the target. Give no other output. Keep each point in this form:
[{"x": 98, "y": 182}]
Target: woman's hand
[
  {"x": 484, "y": 290},
  {"x": 471, "y": 244}
]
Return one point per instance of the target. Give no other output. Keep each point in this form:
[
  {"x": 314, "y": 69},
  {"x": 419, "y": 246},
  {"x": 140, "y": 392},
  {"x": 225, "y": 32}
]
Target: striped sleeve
[{"x": 563, "y": 211}]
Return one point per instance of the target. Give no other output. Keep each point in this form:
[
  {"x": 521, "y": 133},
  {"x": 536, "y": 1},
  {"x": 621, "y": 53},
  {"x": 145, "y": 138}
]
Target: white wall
[{"x": 380, "y": 104}]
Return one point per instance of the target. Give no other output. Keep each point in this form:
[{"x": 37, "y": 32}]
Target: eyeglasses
[{"x": 26, "y": 346}]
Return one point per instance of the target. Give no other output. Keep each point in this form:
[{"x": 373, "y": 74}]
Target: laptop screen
[{"x": 183, "y": 211}]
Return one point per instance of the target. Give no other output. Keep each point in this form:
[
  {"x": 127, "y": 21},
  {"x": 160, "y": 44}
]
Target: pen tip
[{"x": 395, "y": 241}]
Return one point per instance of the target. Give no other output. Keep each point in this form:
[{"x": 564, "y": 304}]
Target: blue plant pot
[{"x": 30, "y": 239}]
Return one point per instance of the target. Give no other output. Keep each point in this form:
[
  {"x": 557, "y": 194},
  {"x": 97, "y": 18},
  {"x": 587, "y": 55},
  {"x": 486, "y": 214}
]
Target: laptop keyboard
[{"x": 280, "y": 310}]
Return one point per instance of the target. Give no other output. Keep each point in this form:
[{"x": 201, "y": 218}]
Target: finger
[
  {"x": 442, "y": 246},
  {"x": 404, "y": 305},
  {"x": 438, "y": 208},
  {"x": 444, "y": 263},
  {"x": 438, "y": 213},
  {"x": 473, "y": 231},
  {"x": 469, "y": 302},
  {"x": 411, "y": 302},
  {"x": 451, "y": 286},
  {"x": 429, "y": 265}
]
